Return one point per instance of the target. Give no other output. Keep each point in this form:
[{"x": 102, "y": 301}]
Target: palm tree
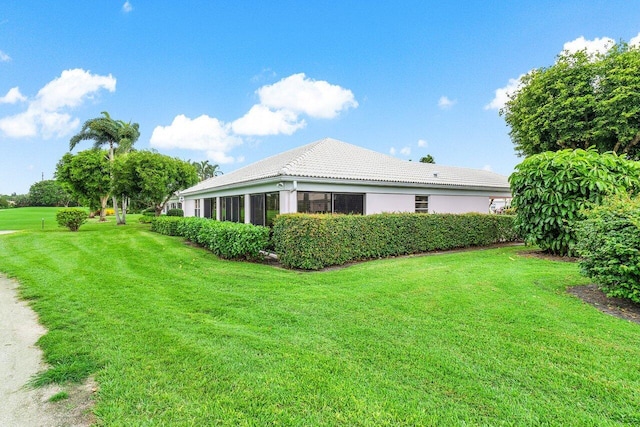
[
  {"x": 206, "y": 170},
  {"x": 427, "y": 159},
  {"x": 117, "y": 135}
]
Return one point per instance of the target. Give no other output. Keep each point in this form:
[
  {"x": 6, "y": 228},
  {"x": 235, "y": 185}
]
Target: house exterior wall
[
  {"x": 458, "y": 204},
  {"x": 383, "y": 202}
]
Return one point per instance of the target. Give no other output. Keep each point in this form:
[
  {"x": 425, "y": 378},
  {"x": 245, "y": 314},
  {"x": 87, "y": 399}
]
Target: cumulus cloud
[
  {"x": 592, "y": 47},
  {"x": 4, "y": 57},
  {"x": 13, "y": 96},
  {"x": 422, "y": 143},
  {"x": 502, "y": 95},
  {"x": 315, "y": 98},
  {"x": 261, "y": 121},
  {"x": 405, "y": 151},
  {"x": 47, "y": 114},
  {"x": 635, "y": 41},
  {"x": 203, "y": 133},
  {"x": 487, "y": 168},
  {"x": 127, "y": 7},
  {"x": 279, "y": 112},
  {"x": 444, "y": 103},
  {"x": 392, "y": 151}
]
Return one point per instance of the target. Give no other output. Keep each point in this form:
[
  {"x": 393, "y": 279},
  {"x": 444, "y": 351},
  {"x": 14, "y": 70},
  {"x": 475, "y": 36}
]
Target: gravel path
[{"x": 20, "y": 359}]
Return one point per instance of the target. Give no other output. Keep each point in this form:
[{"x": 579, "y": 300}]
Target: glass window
[
  {"x": 348, "y": 203},
  {"x": 196, "y": 210},
  {"x": 232, "y": 208},
  {"x": 257, "y": 209},
  {"x": 273, "y": 207},
  {"x": 422, "y": 204},
  {"x": 309, "y": 202}
]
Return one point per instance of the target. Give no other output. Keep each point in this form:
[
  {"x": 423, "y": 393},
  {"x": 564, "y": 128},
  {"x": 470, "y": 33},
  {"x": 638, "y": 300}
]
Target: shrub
[
  {"x": 72, "y": 218},
  {"x": 109, "y": 212},
  {"x": 225, "y": 239},
  {"x": 315, "y": 241},
  {"x": 175, "y": 212},
  {"x": 609, "y": 244},
  {"x": 551, "y": 189}
]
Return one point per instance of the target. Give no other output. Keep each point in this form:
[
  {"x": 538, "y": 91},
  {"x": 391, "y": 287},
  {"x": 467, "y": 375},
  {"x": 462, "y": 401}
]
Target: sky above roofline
[{"x": 236, "y": 82}]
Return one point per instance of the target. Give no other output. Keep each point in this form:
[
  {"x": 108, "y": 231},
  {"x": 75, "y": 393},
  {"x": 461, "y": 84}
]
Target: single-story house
[{"x": 331, "y": 176}]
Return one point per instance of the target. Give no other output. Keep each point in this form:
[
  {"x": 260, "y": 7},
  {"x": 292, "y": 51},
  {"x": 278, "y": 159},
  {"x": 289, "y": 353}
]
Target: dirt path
[{"x": 20, "y": 359}]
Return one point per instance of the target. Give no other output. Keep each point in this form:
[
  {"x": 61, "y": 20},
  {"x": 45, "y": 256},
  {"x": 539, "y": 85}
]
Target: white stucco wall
[
  {"x": 458, "y": 204},
  {"x": 379, "y": 202}
]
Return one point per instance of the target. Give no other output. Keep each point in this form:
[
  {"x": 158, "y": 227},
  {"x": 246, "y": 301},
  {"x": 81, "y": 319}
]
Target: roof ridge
[{"x": 291, "y": 164}]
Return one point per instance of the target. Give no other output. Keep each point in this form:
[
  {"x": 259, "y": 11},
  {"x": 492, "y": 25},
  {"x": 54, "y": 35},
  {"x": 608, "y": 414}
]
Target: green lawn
[{"x": 178, "y": 337}]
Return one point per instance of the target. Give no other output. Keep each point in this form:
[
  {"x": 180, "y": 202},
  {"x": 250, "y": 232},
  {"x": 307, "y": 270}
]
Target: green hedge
[
  {"x": 225, "y": 239},
  {"x": 312, "y": 242},
  {"x": 72, "y": 218}
]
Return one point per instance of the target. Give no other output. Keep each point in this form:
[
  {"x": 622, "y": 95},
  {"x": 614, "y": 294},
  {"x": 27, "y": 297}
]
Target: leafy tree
[
  {"x": 206, "y": 170},
  {"x": 427, "y": 159},
  {"x": 117, "y": 136},
  {"x": 152, "y": 177},
  {"x": 581, "y": 101},
  {"x": 49, "y": 193},
  {"x": 87, "y": 175},
  {"x": 551, "y": 189},
  {"x": 4, "y": 203}
]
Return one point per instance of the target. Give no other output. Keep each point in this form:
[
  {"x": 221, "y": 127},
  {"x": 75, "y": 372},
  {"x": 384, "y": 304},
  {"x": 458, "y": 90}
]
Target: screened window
[
  {"x": 348, "y": 203},
  {"x": 210, "y": 208},
  {"x": 273, "y": 207},
  {"x": 309, "y": 202},
  {"x": 232, "y": 208},
  {"x": 422, "y": 204},
  {"x": 257, "y": 209},
  {"x": 264, "y": 208},
  {"x": 196, "y": 211}
]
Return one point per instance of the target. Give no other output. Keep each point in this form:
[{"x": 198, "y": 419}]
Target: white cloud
[
  {"x": 502, "y": 94},
  {"x": 13, "y": 96},
  {"x": 46, "y": 115},
  {"x": 127, "y": 7},
  {"x": 392, "y": 151},
  {"x": 487, "y": 168},
  {"x": 444, "y": 103},
  {"x": 4, "y": 57},
  {"x": 635, "y": 41},
  {"x": 202, "y": 133},
  {"x": 405, "y": 151},
  {"x": 260, "y": 120},
  {"x": 279, "y": 113},
  {"x": 422, "y": 143},
  {"x": 597, "y": 45},
  {"x": 316, "y": 98}
]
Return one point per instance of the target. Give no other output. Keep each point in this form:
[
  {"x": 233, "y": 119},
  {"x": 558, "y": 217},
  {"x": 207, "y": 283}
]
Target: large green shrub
[
  {"x": 225, "y": 239},
  {"x": 551, "y": 189},
  {"x": 175, "y": 212},
  {"x": 609, "y": 244},
  {"x": 72, "y": 218},
  {"x": 315, "y": 241}
]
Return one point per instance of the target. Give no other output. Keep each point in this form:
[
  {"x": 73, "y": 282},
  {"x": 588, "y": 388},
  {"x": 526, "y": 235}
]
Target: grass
[{"x": 178, "y": 337}]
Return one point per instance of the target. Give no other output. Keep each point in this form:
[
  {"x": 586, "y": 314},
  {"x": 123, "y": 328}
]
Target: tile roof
[{"x": 332, "y": 159}]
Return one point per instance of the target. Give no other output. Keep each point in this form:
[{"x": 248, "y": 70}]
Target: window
[
  {"x": 196, "y": 210},
  {"x": 346, "y": 203},
  {"x": 309, "y": 202},
  {"x": 422, "y": 204},
  {"x": 264, "y": 208},
  {"x": 273, "y": 207},
  {"x": 210, "y": 208},
  {"x": 232, "y": 208}
]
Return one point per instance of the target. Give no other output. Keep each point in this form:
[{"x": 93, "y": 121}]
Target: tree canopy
[
  {"x": 206, "y": 170},
  {"x": 49, "y": 193},
  {"x": 117, "y": 135},
  {"x": 581, "y": 101},
  {"x": 427, "y": 159},
  {"x": 87, "y": 176},
  {"x": 152, "y": 177}
]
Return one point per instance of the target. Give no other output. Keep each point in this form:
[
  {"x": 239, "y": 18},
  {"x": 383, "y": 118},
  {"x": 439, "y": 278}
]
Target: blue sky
[{"x": 234, "y": 82}]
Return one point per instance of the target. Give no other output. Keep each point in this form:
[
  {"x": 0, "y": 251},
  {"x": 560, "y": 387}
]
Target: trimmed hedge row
[
  {"x": 312, "y": 242},
  {"x": 225, "y": 239}
]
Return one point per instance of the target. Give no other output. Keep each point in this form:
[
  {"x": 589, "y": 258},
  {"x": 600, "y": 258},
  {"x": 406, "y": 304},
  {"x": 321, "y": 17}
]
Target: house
[{"x": 331, "y": 176}]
